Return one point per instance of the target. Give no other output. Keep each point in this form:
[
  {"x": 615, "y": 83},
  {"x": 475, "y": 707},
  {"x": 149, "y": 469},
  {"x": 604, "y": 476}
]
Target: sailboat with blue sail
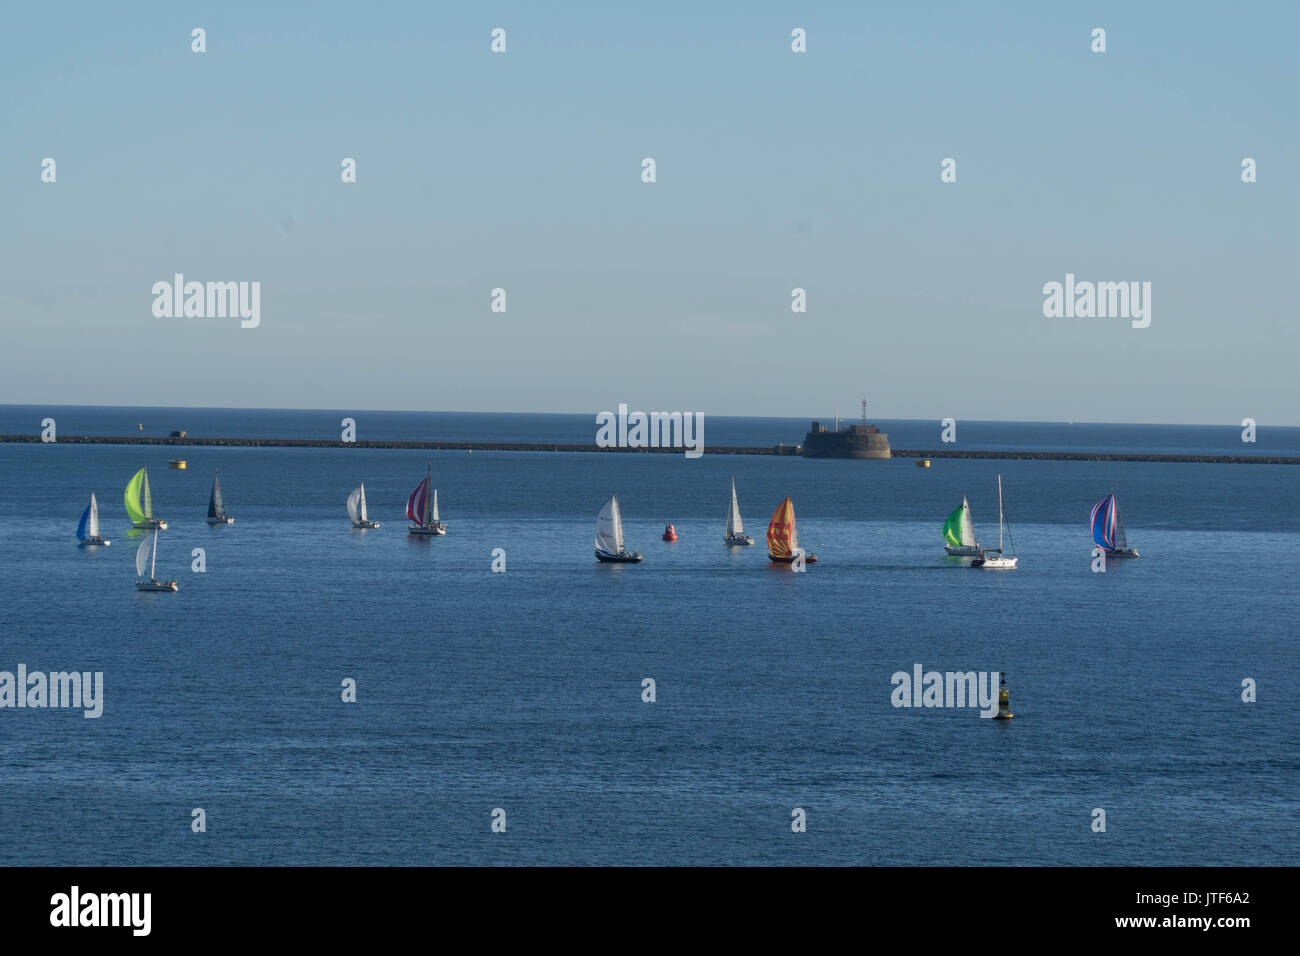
[
  {"x": 1108, "y": 529},
  {"x": 88, "y": 529}
]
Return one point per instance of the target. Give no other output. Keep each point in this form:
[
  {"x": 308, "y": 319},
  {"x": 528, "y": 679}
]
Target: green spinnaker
[
  {"x": 132, "y": 498},
  {"x": 952, "y": 529}
]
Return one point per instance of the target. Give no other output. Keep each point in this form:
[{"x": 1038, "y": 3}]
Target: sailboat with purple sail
[
  {"x": 422, "y": 508},
  {"x": 1108, "y": 529}
]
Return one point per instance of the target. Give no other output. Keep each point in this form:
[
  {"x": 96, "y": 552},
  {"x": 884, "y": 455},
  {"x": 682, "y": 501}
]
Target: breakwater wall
[{"x": 779, "y": 450}]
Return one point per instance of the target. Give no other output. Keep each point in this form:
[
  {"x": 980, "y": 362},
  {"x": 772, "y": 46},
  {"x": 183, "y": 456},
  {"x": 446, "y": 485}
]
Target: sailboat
[
  {"x": 783, "y": 536},
  {"x": 216, "y": 508},
  {"x": 998, "y": 561},
  {"x": 357, "y": 509},
  {"x": 735, "y": 534},
  {"x": 139, "y": 504},
  {"x": 609, "y": 535},
  {"x": 88, "y": 529},
  {"x": 959, "y": 533},
  {"x": 148, "y": 554},
  {"x": 422, "y": 508},
  {"x": 1108, "y": 529}
]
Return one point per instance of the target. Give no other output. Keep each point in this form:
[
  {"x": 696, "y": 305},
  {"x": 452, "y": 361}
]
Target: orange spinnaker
[{"x": 782, "y": 539}]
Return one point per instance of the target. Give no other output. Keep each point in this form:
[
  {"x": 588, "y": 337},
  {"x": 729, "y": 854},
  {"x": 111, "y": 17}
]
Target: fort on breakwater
[{"x": 780, "y": 450}]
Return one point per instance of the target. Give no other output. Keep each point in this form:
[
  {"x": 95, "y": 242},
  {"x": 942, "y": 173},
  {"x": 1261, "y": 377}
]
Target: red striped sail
[
  {"x": 782, "y": 539},
  {"x": 417, "y": 505}
]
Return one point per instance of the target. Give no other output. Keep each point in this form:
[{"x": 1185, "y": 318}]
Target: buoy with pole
[{"x": 1004, "y": 700}]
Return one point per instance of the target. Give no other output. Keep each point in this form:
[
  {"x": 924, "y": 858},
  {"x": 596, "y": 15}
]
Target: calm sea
[{"x": 523, "y": 690}]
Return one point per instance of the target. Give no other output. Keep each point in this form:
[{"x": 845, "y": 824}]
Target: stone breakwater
[{"x": 779, "y": 450}]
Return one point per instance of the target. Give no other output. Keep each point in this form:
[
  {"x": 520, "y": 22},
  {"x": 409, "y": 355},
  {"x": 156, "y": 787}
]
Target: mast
[{"x": 999, "y": 514}]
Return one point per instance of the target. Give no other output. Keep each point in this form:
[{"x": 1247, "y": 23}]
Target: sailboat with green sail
[
  {"x": 959, "y": 533},
  {"x": 139, "y": 503}
]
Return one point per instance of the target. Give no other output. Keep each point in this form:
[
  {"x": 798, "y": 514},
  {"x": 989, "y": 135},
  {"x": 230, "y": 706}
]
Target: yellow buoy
[
  {"x": 923, "y": 463},
  {"x": 1004, "y": 700},
  {"x": 178, "y": 463}
]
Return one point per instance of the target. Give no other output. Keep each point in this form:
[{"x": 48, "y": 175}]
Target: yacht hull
[
  {"x": 428, "y": 531},
  {"x": 624, "y": 558}
]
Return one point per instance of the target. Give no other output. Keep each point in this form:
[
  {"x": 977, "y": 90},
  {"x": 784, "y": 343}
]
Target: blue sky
[{"x": 775, "y": 170}]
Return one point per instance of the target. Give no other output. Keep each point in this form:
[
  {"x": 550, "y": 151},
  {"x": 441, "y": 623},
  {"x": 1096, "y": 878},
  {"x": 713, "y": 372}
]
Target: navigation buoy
[
  {"x": 670, "y": 533},
  {"x": 1004, "y": 700}
]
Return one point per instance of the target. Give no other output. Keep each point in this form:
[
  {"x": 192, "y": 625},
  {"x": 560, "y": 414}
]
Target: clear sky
[{"x": 775, "y": 170}]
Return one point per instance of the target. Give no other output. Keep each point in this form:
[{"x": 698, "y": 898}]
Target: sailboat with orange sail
[{"x": 783, "y": 537}]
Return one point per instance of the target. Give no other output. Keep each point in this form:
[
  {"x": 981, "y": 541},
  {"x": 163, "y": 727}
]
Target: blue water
[{"x": 522, "y": 690}]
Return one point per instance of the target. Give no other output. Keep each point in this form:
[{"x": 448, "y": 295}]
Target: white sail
[
  {"x": 142, "y": 555},
  {"x": 1121, "y": 542},
  {"x": 735, "y": 527},
  {"x": 362, "y": 489},
  {"x": 609, "y": 528},
  {"x": 356, "y": 504},
  {"x": 426, "y": 517},
  {"x": 433, "y": 515},
  {"x": 146, "y": 499},
  {"x": 967, "y": 529},
  {"x": 92, "y": 523}
]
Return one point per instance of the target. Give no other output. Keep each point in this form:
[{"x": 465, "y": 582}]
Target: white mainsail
[
  {"x": 142, "y": 555},
  {"x": 967, "y": 528},
  {"x": 1121, "y": 542},
  {"x": 146, "y": 499},
  {"x": 354, "y": 500},
  {"x": 609, "y": 528},
  {"x": 362, "y": 489},
  {"x": 92, "y": 523},
  {"x": 735, "y": 527},
  {"x": 433, "y": 515}
]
